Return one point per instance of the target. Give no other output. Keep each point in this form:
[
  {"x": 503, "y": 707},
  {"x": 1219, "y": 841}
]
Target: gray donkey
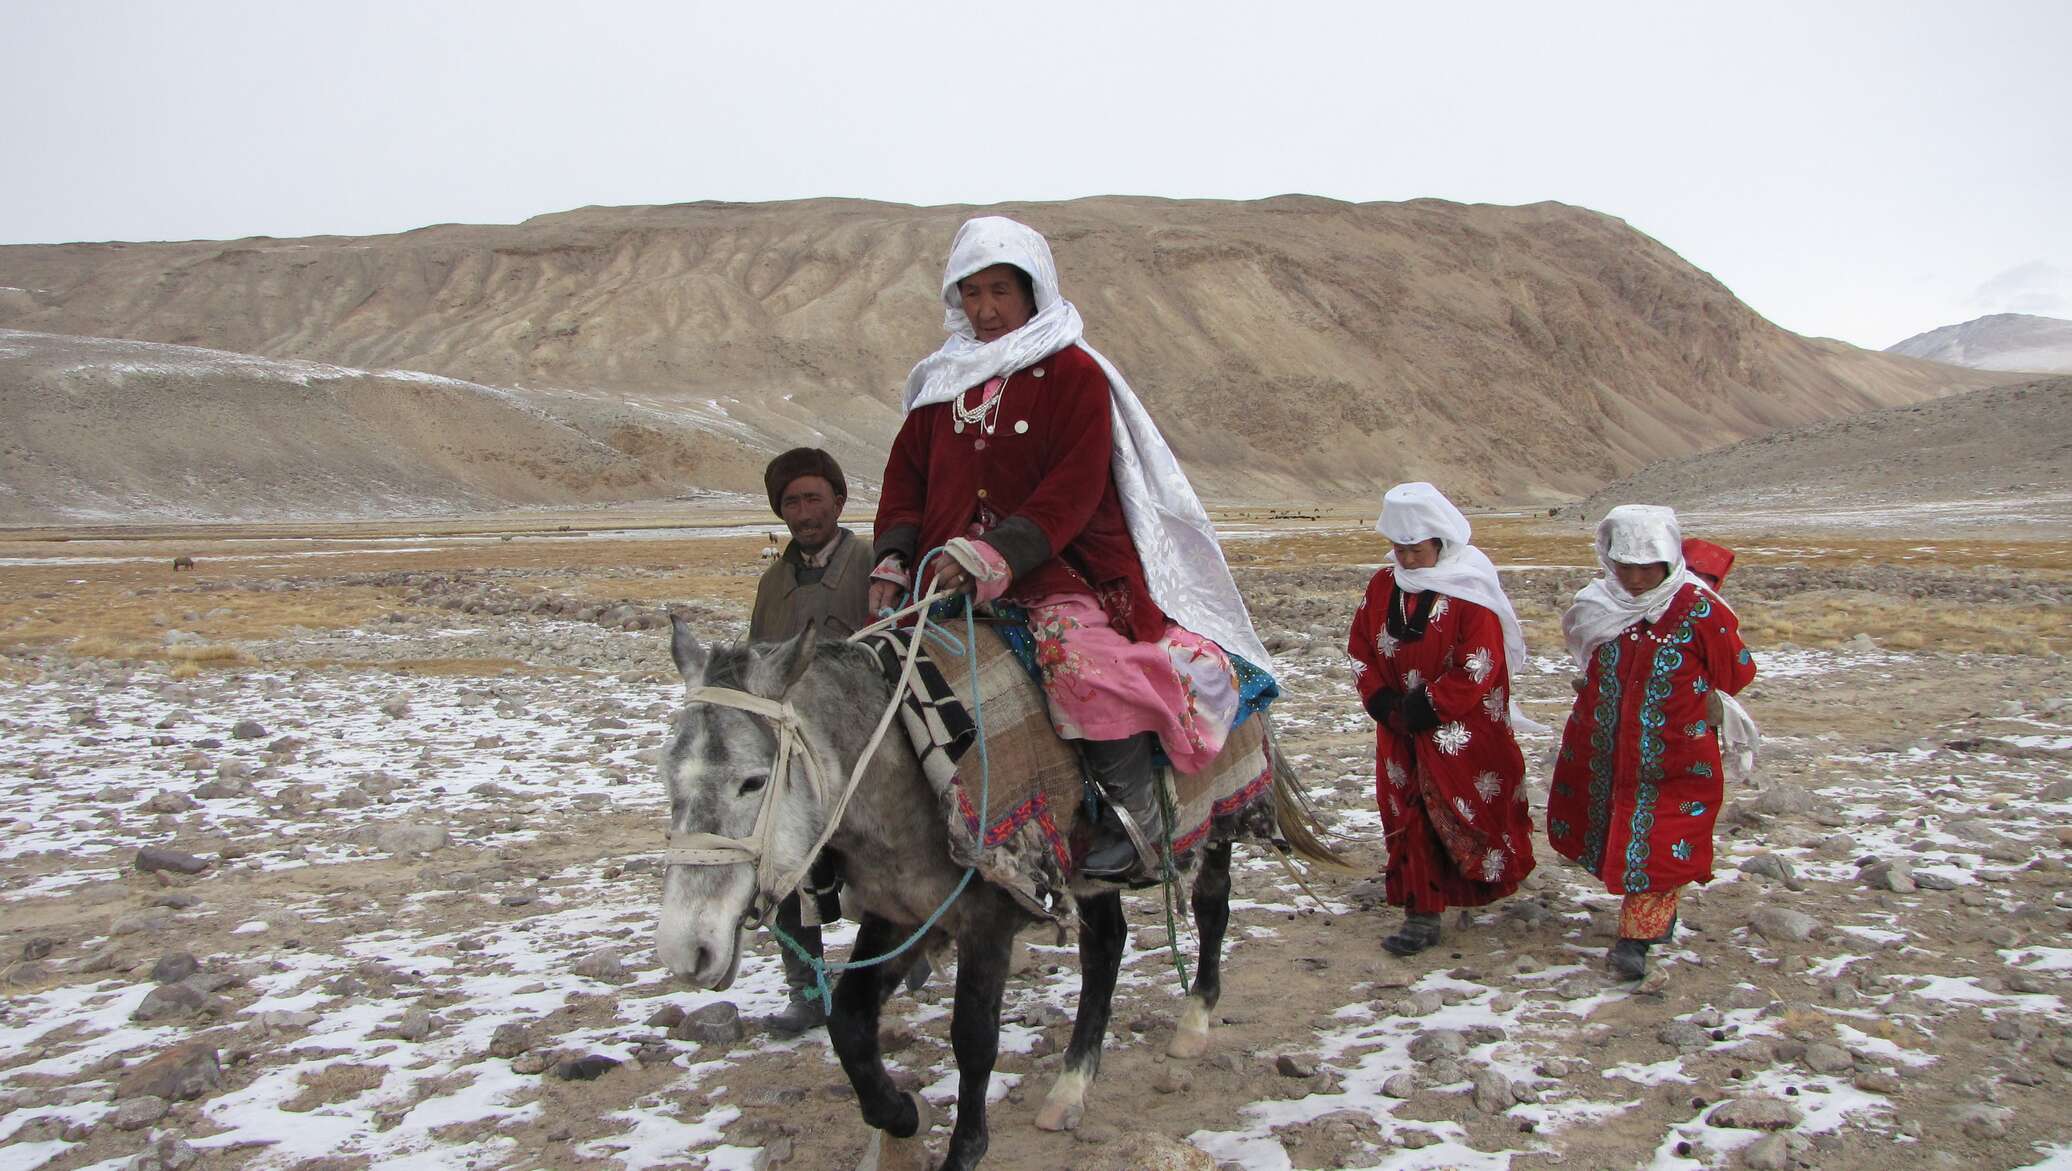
[{"x": 898, "y": 868}]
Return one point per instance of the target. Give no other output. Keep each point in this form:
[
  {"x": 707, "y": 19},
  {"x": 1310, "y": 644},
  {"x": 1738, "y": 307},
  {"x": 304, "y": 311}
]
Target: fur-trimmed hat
[{"x": 801, "y": 461}]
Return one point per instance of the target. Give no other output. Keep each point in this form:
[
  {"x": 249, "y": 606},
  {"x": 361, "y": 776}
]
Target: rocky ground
[{"x": 340, "y": 863}]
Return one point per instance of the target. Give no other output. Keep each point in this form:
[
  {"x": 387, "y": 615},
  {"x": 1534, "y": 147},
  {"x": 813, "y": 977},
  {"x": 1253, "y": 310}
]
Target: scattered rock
[
  {"x": 406, "y": 837},
  {"x": 1436, "y": 1043},
  {"x": 1683, "y": 1036},
  {"x": 1756, "y": 1114},
  {"x": 1399, "y": 1086},
  {"x": 510, "y": 1040},
  {"x": 1293, "y": 1065},
  {"x": 718, "y": 1023},
  {"x": 1821, "y": 1057},
  {"x": 395, "y": 707},
  {"x": 1891, "y": 874},
  {"x": 138, "y": 1113},
  {"x": 585, "y": 1069},
  {"x": 248, "y": 730},
  {"x": 1782, "y": 924},
  {"x": 173, "y": 967},
  {"x": 1173, "y": 1078},
  {"x": 1774, "y": 866},
  {"x": 170, "y": 1002},
  {"x": 178, "y": 1074},
  {"x": 604, "y": 964},
  {"x": 415, "y": 1024},
  {"x": 1492, "y": 1091},
  {"x": 1772, "y": 1152},
  {"x": 152, "y": 858},
  {"x": 168, "y": 1153}
]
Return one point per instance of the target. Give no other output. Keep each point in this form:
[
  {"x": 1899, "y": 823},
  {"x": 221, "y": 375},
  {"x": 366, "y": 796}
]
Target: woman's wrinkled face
[
  {"x": 994, "y": 301},
  {"x": 1639, "y": 579},
  {"x": 1422, "y": 555}
]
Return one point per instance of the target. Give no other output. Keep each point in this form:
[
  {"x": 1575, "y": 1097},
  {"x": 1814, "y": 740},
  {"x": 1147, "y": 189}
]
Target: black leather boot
[
  {"x": 1131, "y": 831},
  {"x": 1419, "y": 931},
  {"x": 803, "y": 1011},
  {"x": 1628, "y": 959}
]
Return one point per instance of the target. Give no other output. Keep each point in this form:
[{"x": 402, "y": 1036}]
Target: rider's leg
[{"x": 1123, "y": 770}]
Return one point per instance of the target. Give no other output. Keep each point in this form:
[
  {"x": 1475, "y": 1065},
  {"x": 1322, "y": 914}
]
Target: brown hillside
[{"x": 1293, "y": 348}]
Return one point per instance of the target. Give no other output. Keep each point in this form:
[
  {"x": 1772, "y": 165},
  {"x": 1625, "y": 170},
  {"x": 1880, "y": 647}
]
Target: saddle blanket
[{"x": 1014, "y": 805}]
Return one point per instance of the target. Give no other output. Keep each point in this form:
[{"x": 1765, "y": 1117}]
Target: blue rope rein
[{"x": 969, "y": 647}]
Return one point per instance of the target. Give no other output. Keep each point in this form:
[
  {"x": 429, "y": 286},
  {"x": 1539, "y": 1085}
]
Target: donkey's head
[{"x": 716, "y": 770}]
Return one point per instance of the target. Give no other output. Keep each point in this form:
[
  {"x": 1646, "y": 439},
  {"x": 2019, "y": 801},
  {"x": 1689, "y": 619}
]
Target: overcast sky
[{"x": 1862, "y": 171}]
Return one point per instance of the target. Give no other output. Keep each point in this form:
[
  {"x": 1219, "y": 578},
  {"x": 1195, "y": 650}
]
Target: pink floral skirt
[{"x": 1103, "y": 686}]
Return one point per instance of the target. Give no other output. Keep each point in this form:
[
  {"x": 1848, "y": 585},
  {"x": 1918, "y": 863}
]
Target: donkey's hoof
[
  {"x": 886, "y": 1153},
  {"x": 1065, "y": 1105},
  {"x": 1191, "y": 1036},
  {"x": 1188, "y": 1044},
  {"x": 1060, "y": 1116}
]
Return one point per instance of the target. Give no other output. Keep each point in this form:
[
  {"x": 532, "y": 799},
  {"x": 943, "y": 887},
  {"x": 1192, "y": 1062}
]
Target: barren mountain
[
  {"x": 2002, "y": 341},
  {"x": 1292, "y": 348},
  {"x": 2000, "y": 457},
  {"x": 99, "y": 429}
]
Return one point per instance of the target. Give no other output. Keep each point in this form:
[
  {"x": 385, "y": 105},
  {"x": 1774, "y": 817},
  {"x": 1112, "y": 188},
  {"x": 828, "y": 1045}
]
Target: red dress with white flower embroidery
[
  {"x": 1452, "y": 798},
  {"x": 1637, "y": 785}
]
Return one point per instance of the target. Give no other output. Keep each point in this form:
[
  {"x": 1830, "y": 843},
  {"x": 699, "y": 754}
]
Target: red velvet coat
[
  {"x": 1452, "y": 800},
  {"x": 1637, "y": 784},
  {"x": 1040, "y": 482}
]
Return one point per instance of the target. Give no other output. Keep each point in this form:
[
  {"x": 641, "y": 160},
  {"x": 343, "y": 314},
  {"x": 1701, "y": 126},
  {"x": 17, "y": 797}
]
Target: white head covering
[
  {"x": 1183, "y": 561},
  {"x": 1416, "y": 512},
  {"x": 1631, "y": 534}
]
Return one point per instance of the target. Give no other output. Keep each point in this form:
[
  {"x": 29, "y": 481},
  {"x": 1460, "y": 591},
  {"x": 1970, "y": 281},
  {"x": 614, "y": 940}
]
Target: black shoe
[
  {"x": 1628, "y": 959},
  {"x": 1419, "y": 931},
  {"x": 801, "y": 1013}
]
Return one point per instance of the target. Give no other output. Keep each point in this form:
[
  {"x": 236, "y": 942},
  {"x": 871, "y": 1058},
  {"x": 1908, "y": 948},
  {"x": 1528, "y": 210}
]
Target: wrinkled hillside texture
[{"x": 1293, "y": 348}]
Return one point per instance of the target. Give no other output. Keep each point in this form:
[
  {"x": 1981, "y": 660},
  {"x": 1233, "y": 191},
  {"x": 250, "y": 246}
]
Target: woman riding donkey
[
  {"x": 1026, "y": 455},
  {"x": 1637, "y": 785},
  {"x": 1433, "y": 647}
]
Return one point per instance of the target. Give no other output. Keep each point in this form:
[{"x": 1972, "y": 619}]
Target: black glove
[
  {"x": 1383, "y": 703},
  {"x": 1418, "y": 715}
]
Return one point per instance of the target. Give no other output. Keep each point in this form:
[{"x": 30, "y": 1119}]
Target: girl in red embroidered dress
[
  {"x": 1433, "y": 669},
  {"x": 1637, "y": 784}
]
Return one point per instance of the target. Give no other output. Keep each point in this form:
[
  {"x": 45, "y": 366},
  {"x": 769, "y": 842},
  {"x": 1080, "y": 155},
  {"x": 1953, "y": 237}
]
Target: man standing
[{"x": 823, "y": 575}]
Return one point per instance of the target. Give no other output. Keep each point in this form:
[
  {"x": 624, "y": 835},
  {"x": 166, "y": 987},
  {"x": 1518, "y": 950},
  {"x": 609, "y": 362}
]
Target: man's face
[
  {"x": 994, "y": 302},
  {"x": 810, "y": 509}
]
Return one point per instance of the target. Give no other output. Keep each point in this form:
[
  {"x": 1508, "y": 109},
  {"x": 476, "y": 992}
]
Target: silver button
[
  {"x": 1021, "y": 426},
  {"x": 1036, "y": 373}
]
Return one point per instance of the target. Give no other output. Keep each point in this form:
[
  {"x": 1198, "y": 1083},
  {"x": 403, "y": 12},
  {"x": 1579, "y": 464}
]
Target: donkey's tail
[{"x": 1295, "y": 815}]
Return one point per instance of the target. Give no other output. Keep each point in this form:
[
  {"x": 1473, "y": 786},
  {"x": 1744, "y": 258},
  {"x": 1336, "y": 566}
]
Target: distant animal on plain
[
  {"x": 182, "y": 562},
  {"x": 769, "y": 553}
]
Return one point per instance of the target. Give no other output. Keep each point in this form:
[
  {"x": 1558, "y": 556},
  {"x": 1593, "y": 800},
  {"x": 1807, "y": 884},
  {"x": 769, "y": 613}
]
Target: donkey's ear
[
  {"x": 773, "y": 669},
  {"x": 690, "y": 657}
]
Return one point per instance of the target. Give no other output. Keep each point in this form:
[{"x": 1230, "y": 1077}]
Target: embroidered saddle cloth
[{"x": 1016, "y": 808}]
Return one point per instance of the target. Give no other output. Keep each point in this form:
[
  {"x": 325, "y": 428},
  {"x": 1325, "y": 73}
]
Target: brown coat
[{"x": 783, "y": 607}]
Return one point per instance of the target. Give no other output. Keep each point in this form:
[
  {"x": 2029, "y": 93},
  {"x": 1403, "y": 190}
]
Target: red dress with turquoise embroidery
[
  {"x": 1637, "y": 784},
  {"x": 1452, "y": 799}
]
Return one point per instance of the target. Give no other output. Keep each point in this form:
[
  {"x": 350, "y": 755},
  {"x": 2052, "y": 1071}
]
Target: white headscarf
[
  {"x": 1631, "y": 534},
  {"x": 1183, "y": 561},
  {"x": 1416, "y": 512}
]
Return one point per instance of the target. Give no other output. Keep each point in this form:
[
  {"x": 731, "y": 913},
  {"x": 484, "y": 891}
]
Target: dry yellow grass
[{"x": 119, "y": 595}]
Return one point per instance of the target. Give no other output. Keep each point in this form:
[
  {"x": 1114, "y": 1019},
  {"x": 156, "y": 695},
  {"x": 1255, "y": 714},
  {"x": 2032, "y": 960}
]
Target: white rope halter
[{"x": 703, "y": 849}]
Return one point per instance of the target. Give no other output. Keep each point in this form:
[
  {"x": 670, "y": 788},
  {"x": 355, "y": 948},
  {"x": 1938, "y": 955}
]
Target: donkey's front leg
[
  {"x": 853, "y": 1030},
  {"x": 983, "y": 950},
  {"x": 1211, "y": 918},
  {"x": 1101, "y": 932}
]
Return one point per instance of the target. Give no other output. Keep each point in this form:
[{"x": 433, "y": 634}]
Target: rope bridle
[{"x": 704, "y": 849}]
